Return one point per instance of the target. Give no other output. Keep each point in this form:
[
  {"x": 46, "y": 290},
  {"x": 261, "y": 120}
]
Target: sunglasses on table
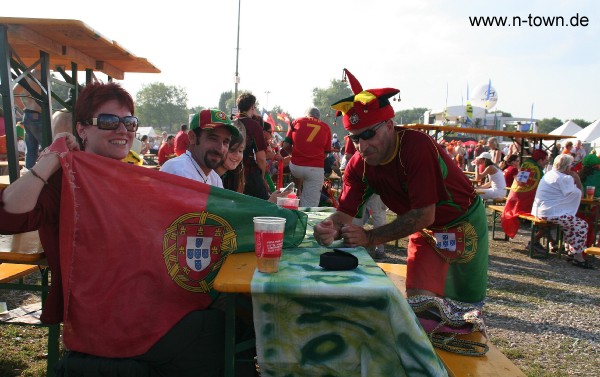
[
  {"x": 366, "y": 135},
  {"x": 112, "y": 122}
]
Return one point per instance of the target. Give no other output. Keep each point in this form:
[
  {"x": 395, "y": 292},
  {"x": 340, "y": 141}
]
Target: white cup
[{"x": 268, "y": 242}]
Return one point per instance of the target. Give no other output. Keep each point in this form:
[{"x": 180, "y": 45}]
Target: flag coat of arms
[{"x": 140, "y": 249}]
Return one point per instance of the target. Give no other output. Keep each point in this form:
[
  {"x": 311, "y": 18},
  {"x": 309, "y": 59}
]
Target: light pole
[
  {"x": 237, "y": 54},
  {"x": 267, "y": 102}
]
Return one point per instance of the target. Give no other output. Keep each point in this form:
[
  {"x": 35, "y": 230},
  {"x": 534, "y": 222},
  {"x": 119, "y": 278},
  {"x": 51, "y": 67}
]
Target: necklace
[{"x": 194, "y": 165}]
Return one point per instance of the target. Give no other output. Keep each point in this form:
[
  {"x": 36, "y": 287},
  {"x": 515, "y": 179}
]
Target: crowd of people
[
  {"x": 547, "y": 185},
  {"x": 434, "y": 203}
]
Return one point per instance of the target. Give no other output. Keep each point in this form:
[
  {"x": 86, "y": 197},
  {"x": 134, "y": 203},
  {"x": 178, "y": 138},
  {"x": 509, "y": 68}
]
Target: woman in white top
[
  {"x": 557, "y": 200},
  {"x": 495, "y": 187},
  {"x": 494, "y": 150}
]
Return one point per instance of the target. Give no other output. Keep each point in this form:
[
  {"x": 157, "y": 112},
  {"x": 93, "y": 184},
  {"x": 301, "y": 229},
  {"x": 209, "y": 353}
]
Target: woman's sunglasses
[
  {"x": 366, "y": 135},
  {"x": 112, "y": 121}
]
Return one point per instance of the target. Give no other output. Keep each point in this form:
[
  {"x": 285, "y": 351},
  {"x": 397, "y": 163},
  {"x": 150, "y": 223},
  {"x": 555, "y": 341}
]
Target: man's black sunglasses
[
  {"x": 112, "y": 121},
  {"x": 366, "y": 135}
]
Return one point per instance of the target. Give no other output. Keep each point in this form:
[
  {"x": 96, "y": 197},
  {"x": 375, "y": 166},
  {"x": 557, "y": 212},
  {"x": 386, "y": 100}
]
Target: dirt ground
[{"x": 542, "y": 313}]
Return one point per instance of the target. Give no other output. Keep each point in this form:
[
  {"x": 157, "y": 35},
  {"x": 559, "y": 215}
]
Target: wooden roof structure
[
  {"x": 41, "y": 45},
  {"x": 481, "y": 131},
  {"x": 515, "y": 136},
  {"x": 69, "y": 41}
]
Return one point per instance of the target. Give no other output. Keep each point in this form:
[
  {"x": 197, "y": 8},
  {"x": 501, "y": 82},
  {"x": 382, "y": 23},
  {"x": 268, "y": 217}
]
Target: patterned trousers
[{"x": 574, "y": 229}]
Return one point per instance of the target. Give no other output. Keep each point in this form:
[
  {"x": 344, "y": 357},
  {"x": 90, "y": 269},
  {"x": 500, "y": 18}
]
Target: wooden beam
[
  {"x": 110, "y": 70},
  {"x": 29, "y": 36},
  {"x": 78, "y": 57}
]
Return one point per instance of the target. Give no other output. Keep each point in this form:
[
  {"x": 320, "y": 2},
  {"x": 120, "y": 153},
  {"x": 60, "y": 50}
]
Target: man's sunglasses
[
  {"x": 366, "y": 135},
  {"x": 112, "y": 121}
]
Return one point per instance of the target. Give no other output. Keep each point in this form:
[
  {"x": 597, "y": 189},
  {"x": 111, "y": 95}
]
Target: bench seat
[
  {"x": 496, "y": 213},
  {"x": 11, "y": 271},
  {"x": 493, "y": 363},
  {"x": 593, "y": 251}
]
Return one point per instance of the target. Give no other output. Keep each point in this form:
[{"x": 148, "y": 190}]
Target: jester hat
[{"x": 366, "y": 107}]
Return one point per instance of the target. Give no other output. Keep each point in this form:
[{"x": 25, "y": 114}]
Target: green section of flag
[{"x": 239, "y": 210}]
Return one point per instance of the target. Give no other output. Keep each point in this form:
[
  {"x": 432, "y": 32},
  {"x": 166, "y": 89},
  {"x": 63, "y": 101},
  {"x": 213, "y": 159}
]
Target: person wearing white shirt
[
  {"x": 210, "y": 134},
  {"x": 557, "y": 200}
]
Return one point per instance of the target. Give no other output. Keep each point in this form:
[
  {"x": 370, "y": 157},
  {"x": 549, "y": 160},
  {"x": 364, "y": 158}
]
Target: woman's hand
[{"x": 70, "y": 140}]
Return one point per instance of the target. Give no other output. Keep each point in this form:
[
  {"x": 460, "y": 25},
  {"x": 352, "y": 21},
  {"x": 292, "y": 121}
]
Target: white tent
[
  {"x": 590, "y": 133},
  {"x": 595, "y": 143},
  {"x": 569, "y": 128},
  {"x": 146, "y": 131}
]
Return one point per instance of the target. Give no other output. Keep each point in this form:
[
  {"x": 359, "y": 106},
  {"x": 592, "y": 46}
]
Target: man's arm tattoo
[{"x": 403, "y": 226}]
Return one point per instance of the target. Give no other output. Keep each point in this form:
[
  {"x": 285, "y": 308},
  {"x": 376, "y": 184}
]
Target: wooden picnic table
[
  {"x": 360, "y": 298},
  {"x": 4, "y": 181},
  {"x": 4, "y": 166},
  {"x": 238, "y": 270},
  {"x": 22, "y": 248}
]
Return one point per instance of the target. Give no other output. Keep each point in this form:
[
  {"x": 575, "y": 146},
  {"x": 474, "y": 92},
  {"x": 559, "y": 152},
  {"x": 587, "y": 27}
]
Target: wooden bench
[
  {"x": 497, "y": 213},
  {"x": 493, "y": 363},
  {"x": 21, "y": 255},
  {"x": 538, "y": 224},
  {"x": 593, "y": 251},
  {"x": 11, "y": 272}
]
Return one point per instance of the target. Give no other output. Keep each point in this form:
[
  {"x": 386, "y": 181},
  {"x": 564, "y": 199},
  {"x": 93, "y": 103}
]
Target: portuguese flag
[
  {"x": 521, "y": 196},
  {"x": 140, "y": 249}
]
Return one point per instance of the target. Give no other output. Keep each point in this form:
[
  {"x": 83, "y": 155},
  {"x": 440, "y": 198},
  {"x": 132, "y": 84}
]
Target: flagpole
[{"x": 237, "y": 53}]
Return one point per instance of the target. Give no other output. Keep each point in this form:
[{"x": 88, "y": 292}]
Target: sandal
[
  {"x": 585, "y": 264},
  {"x": 569, "y": 257}
]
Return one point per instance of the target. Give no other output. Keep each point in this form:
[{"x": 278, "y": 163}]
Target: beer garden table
[{"x": 309, "y": 321}]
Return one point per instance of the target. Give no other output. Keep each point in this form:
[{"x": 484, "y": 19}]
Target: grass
[{"x": 23, "y": 352}]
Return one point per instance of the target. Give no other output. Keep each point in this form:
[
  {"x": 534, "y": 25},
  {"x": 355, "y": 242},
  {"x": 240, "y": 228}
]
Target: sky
[{"x": 427, "y": 49}]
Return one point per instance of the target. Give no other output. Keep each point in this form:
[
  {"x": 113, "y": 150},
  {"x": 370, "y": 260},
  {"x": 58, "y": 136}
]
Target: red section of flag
[
  {"x": 123, "y": 284},
  {"x": 521, "y": 196}
]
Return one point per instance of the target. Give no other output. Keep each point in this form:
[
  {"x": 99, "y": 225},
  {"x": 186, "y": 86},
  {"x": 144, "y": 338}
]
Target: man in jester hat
[{"x": 436, "y": 205}]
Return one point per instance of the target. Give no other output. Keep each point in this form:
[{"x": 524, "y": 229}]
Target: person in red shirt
[
  {"x": 189, "y": 345},
  {"x": 511, "y": 168},
  {"x": 308, "y": 140},
  {"x": 255, "y": 160},
  {"x": 182, "y": 140},
  {"x": 167, "y": 150},
  {"x": 435, "y": 204}
]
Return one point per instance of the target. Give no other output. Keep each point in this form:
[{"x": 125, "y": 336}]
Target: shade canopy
[
  {"x": 568, "y": 128},
  {"x": 69, "y": 41}
]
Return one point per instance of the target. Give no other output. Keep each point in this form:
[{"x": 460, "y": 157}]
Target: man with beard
[{"x": 210, "y": 134}]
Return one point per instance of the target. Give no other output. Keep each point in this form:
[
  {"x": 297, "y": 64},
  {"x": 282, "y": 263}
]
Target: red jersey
[
  {"x": 164, "y": 151},
  {"x": 419, "y": 174},
  {"x": 182, "y": 141},
  {"x": 311, "y": 140}
]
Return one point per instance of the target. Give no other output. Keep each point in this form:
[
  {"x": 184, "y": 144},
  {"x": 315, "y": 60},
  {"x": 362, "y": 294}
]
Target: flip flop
[
  {"x": 585, "y": 264},
  {"x": 569, "y": 258}
]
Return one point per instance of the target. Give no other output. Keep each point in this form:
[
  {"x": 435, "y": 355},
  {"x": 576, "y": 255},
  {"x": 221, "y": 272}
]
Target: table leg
[{"x": 229, "y": 334}]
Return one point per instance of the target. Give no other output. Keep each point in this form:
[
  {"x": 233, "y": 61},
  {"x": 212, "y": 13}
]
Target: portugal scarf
[{"x": 140, "y": 249}]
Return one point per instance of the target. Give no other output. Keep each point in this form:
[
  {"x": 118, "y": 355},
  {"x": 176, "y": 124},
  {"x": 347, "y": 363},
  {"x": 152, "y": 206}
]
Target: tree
[
  {"x": 226, "y": 102},
  {"x": 162, "y": 106},
  {"x": 414, "y": 115},
  {"x": 581, "y": 123},
  {"x": 324, "y": 98},
  {"x": 545, "y": 126}
]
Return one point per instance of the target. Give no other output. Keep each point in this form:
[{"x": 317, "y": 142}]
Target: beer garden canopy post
[{"x": 46, "y": 45}]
